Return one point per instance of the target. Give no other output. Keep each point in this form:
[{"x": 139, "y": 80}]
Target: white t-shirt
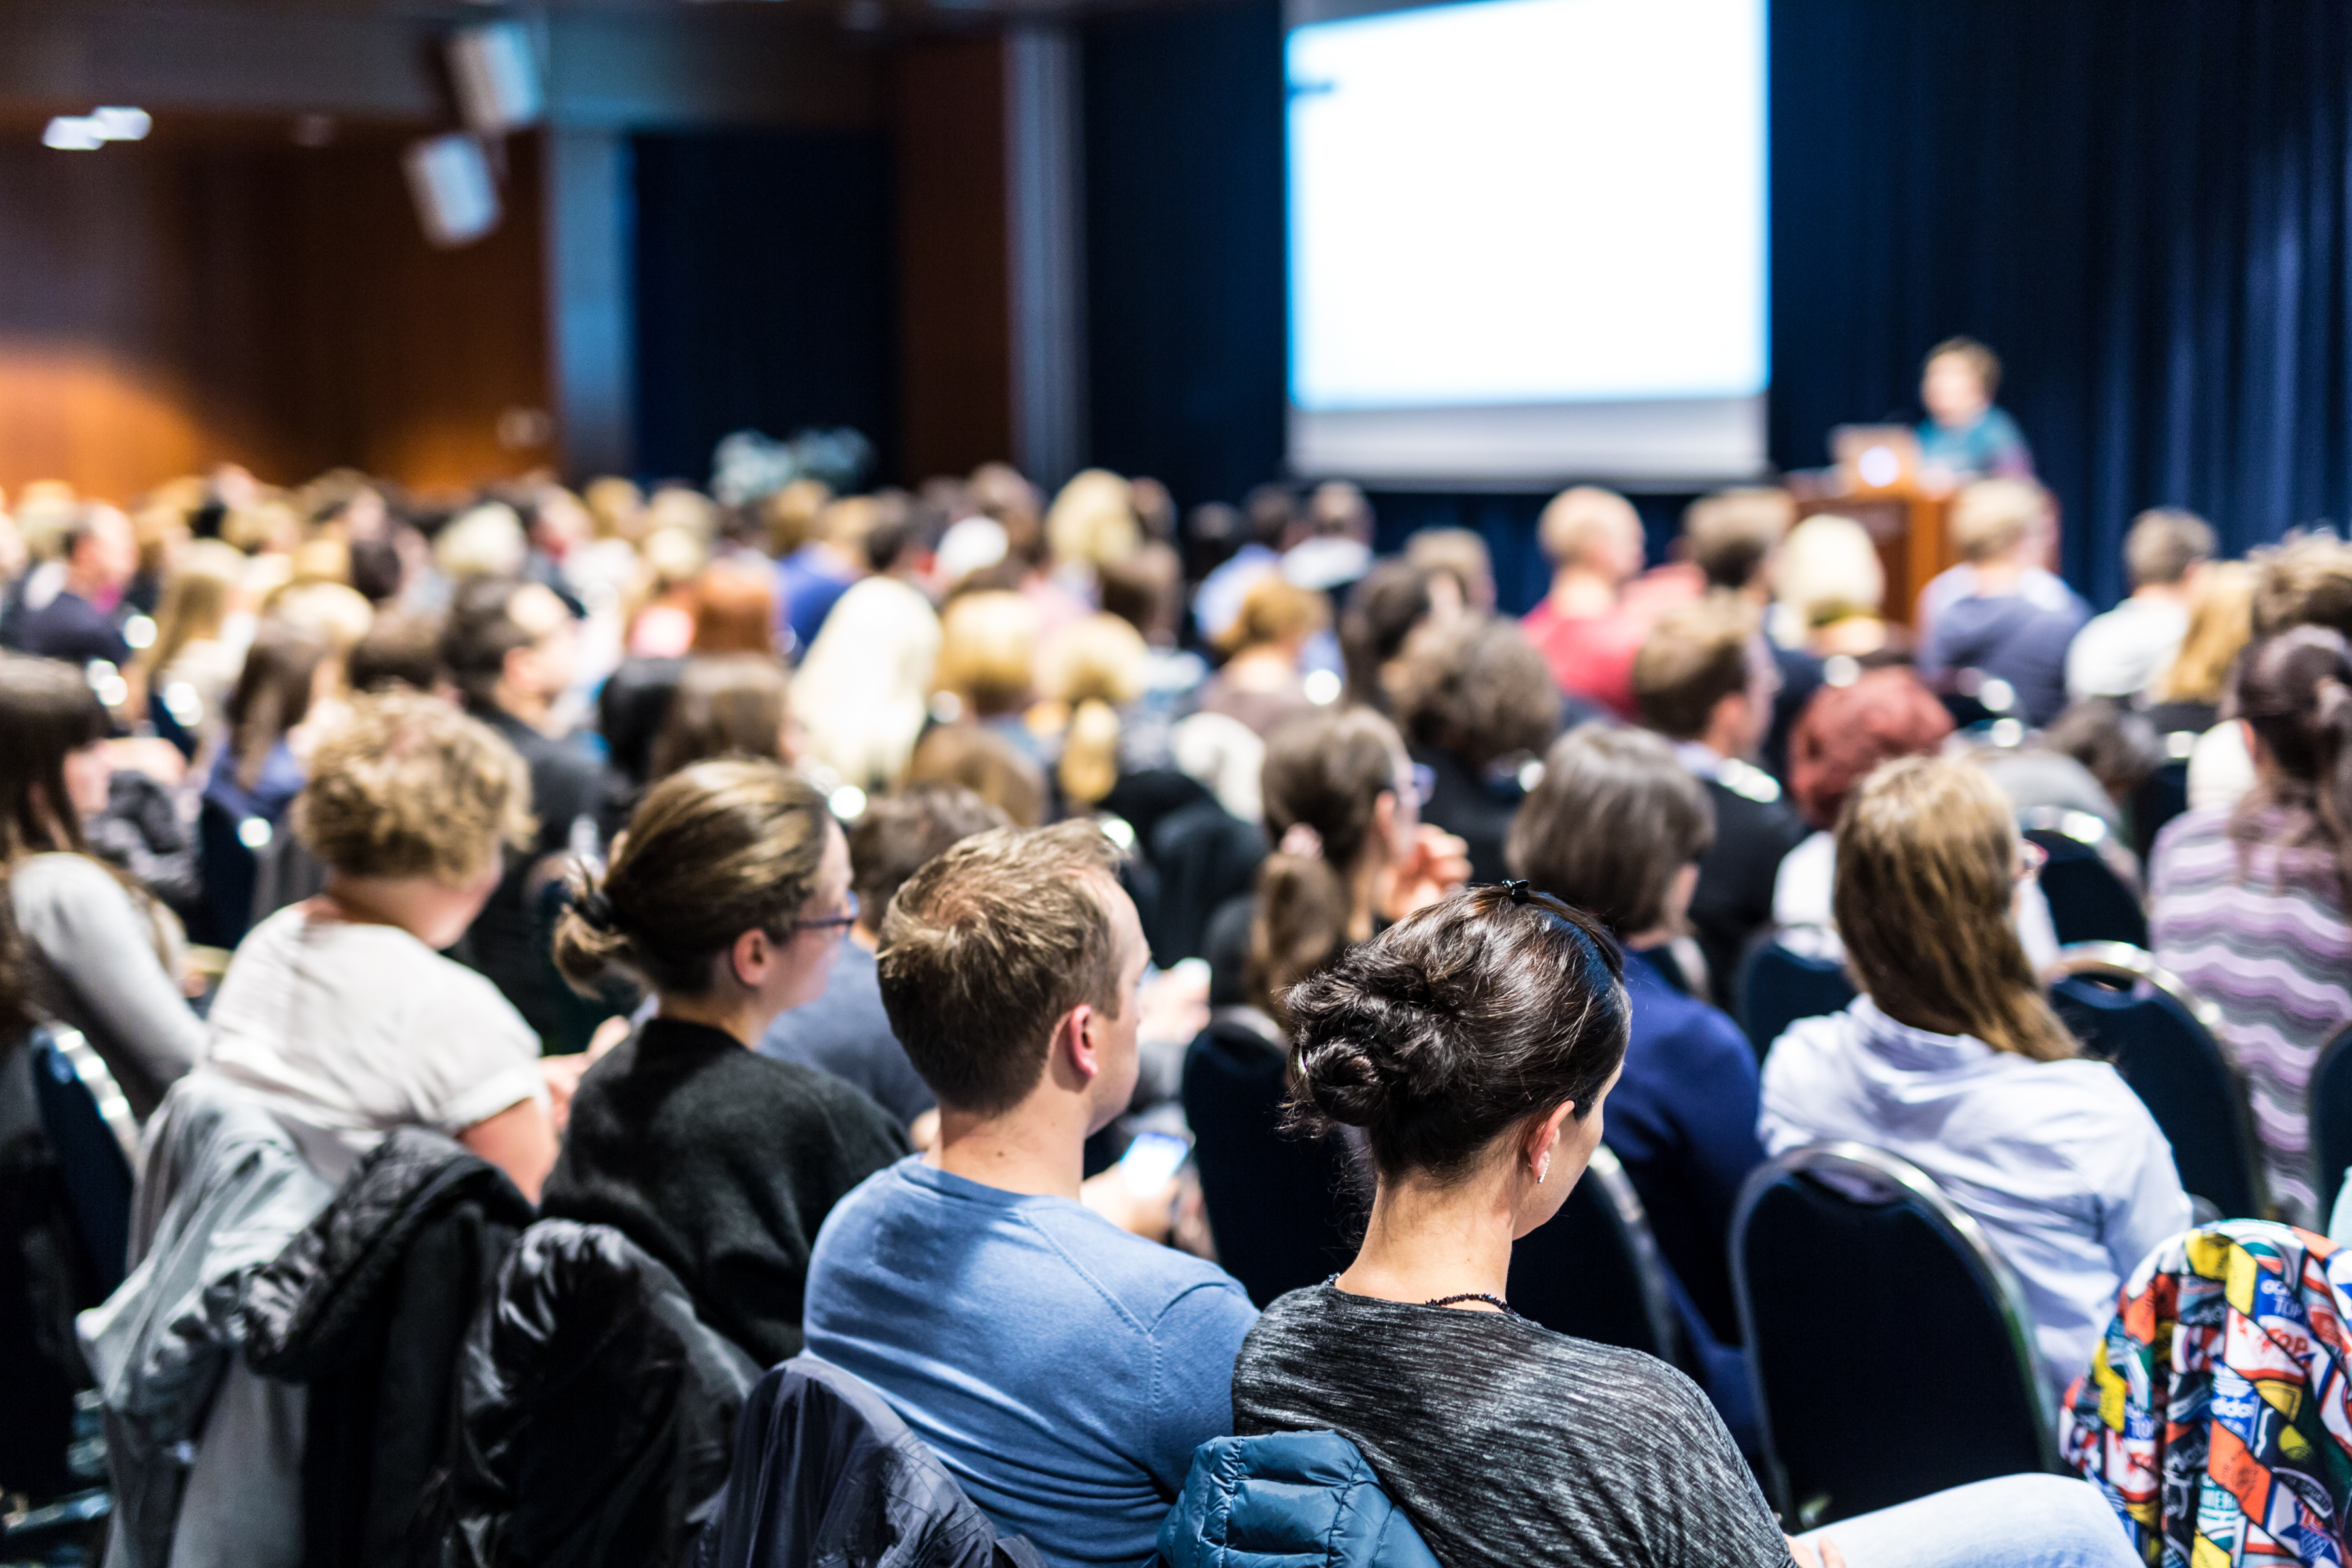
[{"x": 347, "y": 1031}]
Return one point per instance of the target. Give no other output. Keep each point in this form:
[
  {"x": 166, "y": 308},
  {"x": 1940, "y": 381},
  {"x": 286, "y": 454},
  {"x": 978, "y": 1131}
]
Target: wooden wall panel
[{"x": 954, "y": 280}]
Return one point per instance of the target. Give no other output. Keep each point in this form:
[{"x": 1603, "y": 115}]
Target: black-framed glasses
[{"x": 842, "y": 921}]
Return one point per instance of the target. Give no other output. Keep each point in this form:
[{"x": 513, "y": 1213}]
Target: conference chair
[
  {"x": 96, "y": 1140},
  {"x": 2331, "y": 1119},
  {"x": 1596, "y": 1272},
  {"x": 1285, "y": 1211},
  {"x": 2127, "y": 1010},
  {"x": 1860, "y": 1286},
  {"x": 2088, "y": 877},
  {"x": 1778, "y": 986},
  {"x": 2162, "y": 797}
]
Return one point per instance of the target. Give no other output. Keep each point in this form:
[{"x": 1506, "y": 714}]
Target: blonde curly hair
[{"x": 406, "y": 785}]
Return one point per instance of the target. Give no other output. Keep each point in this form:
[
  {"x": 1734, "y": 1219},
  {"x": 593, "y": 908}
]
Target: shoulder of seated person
[{"x": 1749, "y": 782}]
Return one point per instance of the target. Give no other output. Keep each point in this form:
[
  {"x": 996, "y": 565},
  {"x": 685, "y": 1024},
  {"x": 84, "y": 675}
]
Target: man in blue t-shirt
[{"x": 1064, "y": 1369}]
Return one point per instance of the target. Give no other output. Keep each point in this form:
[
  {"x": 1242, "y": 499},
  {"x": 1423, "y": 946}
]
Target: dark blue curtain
[
  {"x": 2141, "y": 204},
  {"x": 764, "y": 290}
]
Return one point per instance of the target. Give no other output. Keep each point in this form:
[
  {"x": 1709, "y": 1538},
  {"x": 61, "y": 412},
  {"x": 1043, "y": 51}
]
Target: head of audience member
[
  {"x": 409, "y": 805},
  {"x": 2115, "y": 744},
  {"x": 337, "y": 614},
  {"x": 198, "y": 597},
  {"x": 486, "y": 542},
  {"x": 1592, "y": 534},
  {"x": 898, "y": 835},
  {"x": 1341, "y": 806},
  {"x": 1091, "y": 669},
  {"x": 729, "y": 704},
  {"x": 1958, "y": 382},
  {"x": 55, "y": 769},
  {"x": 988, "y": 653},
  {"x": 901, "y": 539},
  {"x": 1146, "y": 590},
  {"x": 1477, "y": 691},
  {"x": 790, "y": 514},
  {"x": 2166, "y": 552},
  {"x": 1615, "y": 827},
  {"x": 1277, "y": 617},
  {"x": 2304, "y": 582},
  {"x": 1461, "y": 555},
  {"x": 1704, "y": 674},
  {"x": 100, "y": 552},
  {"x": 2000, "y": 522},
  {"x": 1845, "y": 731},
  {"x": 1829, "y": 578},
  {"x": 401, "y": 650},
  {"x": 734, "y": 612},
  {"x": 726, "y": 896},
  {"x": 1732, "y": 535},
  {"x": 1394, "y": 601},
  {"x": 274, "y": 692},
  {"x": 1093, "y": 520},
  {"x": 1002, "y": 491},
  {"x": 510, "y": 646},
  {"x": 2221, "y": 624},
  {"x": 984, "y": 763},
  {"x": 1929, "y": 865},
  {"x": 1474, "y": 1042},
  {"x": 2294, "y": 690},
  {"x": 1336, "y": 508},
  {"x": 1214, "y": 531},
  {"x": 1009, "y": 967}
]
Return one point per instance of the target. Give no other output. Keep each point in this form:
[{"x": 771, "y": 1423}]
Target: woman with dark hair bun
[{"x": 1474, "y": 1042}]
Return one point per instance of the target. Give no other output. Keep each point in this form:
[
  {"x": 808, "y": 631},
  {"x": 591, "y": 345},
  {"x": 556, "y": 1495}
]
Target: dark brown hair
[
  {"x": 1613, "y": 818},
  {"x": 1324, "y": 772},
  {"x": 1693, "y": 659},
  {"x": 47, "y": 709},
  {"x": 725, "y": 704},
  {"x": 1382, "y": 610},
  {"x": 988, "y": 946},
  {"x": 1478, "y": 689},
  {"x": 2295, "y": 690},
  {"x": 712, "y": 852},
  {"x": 1454, "y": 1026},
  {"x": 1731, "y": 534},
  {"x": 900, "y": 833},
  {"x": 1927, "y": 873},
  {"x": 401, "y": 649},
  {"x": 272, "y": 692},
  {"x": 478, "y": 633}
]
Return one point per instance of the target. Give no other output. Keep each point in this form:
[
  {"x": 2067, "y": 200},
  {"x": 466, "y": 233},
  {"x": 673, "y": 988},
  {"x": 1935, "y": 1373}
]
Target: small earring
[{"x": 1541, "y": 1172}]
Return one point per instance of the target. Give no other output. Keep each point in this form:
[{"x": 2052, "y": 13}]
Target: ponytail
[
  {"x": 1089, "y": 765},
  {"x": 2295, "y": 689},
  {"x": 1323, "y": 778}
]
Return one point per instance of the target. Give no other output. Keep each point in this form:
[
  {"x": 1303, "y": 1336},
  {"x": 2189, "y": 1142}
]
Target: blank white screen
[{"x": 1513, "y": 203}]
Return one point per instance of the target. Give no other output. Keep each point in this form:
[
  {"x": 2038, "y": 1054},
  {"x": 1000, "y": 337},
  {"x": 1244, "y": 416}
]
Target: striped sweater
[{"x": 2268, "y": 944}]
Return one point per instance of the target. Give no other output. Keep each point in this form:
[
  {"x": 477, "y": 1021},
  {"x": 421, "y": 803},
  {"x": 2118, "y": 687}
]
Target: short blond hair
[
  {"x": 1828, "y": 569},
  {"x": 1992, "y": 515},
  {"x": 1275, "y": 610},
  {"x": 988, "y": 650},
  {"x": 405, "y": 785},
  {"x": 1576, "y": 518}
]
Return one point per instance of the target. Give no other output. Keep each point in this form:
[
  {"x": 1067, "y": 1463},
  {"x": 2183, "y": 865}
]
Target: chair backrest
[
  {"x": 2090, "y": 899},
  {"x": 2163, "y": 796},
  {"x": 2331, "y": 1119},
  {"x": 96, "y": 1141},
  {"x": 2127, "y": 1010},
  {"x": 231, "y": 872},
  {"x": 1857, "y": 1278},
  {"x": 1595, "y": 1271},
  {"x": 1778, "y": 986},
  {"x": 1284, "y": 1210}
]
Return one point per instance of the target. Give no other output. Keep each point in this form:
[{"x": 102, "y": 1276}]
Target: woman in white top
[
  {"x": 1953, "y": 1060},
  {"x": 340, "y": 1012}
]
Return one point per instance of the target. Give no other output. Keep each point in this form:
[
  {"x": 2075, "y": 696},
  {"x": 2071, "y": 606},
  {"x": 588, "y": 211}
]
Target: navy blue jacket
[{"x": 1290, "y": 1499}]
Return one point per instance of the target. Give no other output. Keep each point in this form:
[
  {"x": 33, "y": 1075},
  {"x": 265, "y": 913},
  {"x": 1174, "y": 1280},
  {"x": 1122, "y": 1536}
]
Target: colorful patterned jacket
[{"x": 2215, "y": 1415}]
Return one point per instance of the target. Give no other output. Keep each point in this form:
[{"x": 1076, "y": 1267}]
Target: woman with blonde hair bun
[
  {"x": 1831, "y": 588},
  {"x": 1952, "y": 1059},
  {"x": 1090, "y": 672}
]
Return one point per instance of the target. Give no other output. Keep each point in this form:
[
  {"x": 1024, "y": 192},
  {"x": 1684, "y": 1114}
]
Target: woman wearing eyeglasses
[{"x": 727, "y": 896}]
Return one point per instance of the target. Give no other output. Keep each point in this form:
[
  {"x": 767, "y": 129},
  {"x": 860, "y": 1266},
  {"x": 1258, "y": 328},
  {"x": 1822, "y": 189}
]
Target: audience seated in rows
[
  {"x": 1618, "y": 828},
  {"x": 1063, "y": 1369},
  {"x": 1706, "y": 680},
  {"x": 339, "y": 1014},
  {"x": 727, "y": 896},
  {"x": 1476, "y": 1043},
  {"x": 1952, "y": 1059},
  {"x": 2249, "y": 905},
  {"x": 844, "y": 1029}
]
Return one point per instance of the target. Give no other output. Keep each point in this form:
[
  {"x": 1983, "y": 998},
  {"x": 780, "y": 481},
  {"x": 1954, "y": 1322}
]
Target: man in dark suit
[{"x": 1706, "y": 680}]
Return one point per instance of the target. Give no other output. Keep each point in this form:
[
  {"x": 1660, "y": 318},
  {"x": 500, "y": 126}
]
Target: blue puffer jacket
[{"x": 1295, "y": 1499}]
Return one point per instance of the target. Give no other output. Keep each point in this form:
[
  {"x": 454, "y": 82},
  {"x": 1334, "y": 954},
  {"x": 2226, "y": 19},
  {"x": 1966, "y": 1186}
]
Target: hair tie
[
  {"x": 594, "y": 908},
  {"x": 1517, "y": 888},
  {"x": 1299, "y": 839}
]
